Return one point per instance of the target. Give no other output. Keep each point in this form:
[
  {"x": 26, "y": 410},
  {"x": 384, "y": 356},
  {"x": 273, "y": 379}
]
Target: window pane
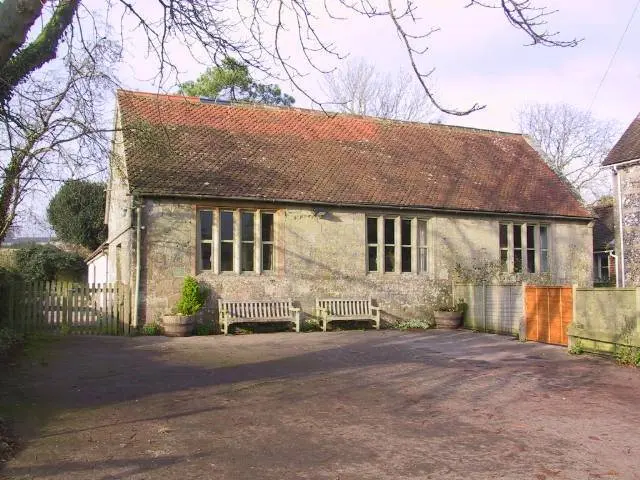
[
  {"x": 544, "y": 237},
  {"x": 406, "y": 259},
  {"x": 247, "y": 226},
  {"x": 372, "y": 230},
  {"x": 389, "y": 258},
  {"x": 504, "y": 260},
  {"x": 517, "y": 236},
  {"x": 422, "y": 233},
  {"x": 246, "y": 261},
  {"x": 531, "y": 261},
  {"x": 226, "y": 225},
  {"x": 504, "y": 236},
  {"x": 205, "y": 255},
  {"x": 226, "y": 257},
  {"x": 405, "y": 232},
  {"x": 517, "y": 261},
  {"x": 267, "y": 227},
  {"x": 544, "y": 261},
  {"x": 373, "y": 259},
  {"x": 423, "y": 260},
  {"x": 206, "y": 224},
  {"x": 531, "y": 236},
  {"x": 604, "y": 269},
  {"x": 389, "y": 231},
  {"x": 267, "y": 257}
]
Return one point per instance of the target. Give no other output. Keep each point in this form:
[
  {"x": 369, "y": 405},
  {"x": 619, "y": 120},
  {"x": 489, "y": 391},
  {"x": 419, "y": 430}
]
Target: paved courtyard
[{"x": 342, "y": 405}]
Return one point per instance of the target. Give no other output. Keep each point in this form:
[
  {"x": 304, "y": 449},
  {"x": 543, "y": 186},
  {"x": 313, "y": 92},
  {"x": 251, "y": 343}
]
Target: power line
[{"x": 606, "y": 72}]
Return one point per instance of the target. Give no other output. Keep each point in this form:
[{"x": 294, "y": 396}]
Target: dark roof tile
[{"x": 628, "y": 147}]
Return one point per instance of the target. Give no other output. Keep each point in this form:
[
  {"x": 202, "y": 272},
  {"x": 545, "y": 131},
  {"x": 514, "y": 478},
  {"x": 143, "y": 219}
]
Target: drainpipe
[
  {"x": 615, "y": 259},
  {"x": 619, "y": 199},
  {"x": 136, "y": 294}
]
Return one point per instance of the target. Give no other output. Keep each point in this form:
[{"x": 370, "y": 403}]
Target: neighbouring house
[
  {"x": 604, "y": 258},
  {"x": 266, "y": 202},
  {"x": 98, "y": 265},
  {"x": 624, "y": 160}
]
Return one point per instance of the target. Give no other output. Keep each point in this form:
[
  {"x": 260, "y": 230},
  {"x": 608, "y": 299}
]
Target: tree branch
[{"x": 39, "y": 52}]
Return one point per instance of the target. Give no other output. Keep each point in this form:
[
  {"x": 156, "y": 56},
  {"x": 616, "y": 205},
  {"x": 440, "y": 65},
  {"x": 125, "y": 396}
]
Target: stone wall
[
  {"x": 630, "y": 186},
  {"x": 605, "y": 319},
  {"x": 326, "y": 256},
  {"x": 121, "y": 235}
]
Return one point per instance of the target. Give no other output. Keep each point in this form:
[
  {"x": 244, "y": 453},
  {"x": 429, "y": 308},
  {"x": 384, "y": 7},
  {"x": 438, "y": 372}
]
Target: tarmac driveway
[{"x": 345, "y": 405}]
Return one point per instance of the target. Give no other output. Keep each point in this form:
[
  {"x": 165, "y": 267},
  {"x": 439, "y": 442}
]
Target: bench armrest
[
  {"x": 375, "y": 308},
  {"x": 294, "y": 309}
]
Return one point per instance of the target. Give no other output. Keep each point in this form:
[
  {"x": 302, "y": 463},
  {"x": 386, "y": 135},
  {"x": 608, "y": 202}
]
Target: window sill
[
  {"x": 235, "y": 274},
  {"x": 400, "y": 274}
]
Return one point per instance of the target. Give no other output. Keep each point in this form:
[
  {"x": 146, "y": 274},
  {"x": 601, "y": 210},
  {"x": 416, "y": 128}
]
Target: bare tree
[
  {"x": 574, "y": 143},
  {"x": 259, "y": 32},
  {"x": 361, "y": 90},
  {"x": 53, "y": 129},
  {"x": 266, "y": 35}
]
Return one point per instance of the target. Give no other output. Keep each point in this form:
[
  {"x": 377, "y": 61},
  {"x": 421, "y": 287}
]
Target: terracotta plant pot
[
  {"x": 178, "y": 325},
  {"x": 449, "y": 320}
]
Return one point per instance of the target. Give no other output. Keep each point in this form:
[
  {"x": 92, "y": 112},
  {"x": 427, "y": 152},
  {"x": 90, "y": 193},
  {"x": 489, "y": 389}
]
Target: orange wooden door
[{"x": 548, "y": 312}]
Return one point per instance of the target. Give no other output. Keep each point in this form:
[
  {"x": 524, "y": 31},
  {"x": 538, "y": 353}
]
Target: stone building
[
  {"x": 265, "y": 202},
  {"x": 624, "y": 160},
  {"x": 604, "y": 257}
]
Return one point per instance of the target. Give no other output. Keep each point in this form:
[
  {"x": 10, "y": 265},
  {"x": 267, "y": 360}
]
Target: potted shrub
[
  {"x": 181, "y": 321},
  {"x": 449, "y": 314}
]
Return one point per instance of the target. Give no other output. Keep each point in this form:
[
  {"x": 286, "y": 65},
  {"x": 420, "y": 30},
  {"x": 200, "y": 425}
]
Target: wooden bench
[
  {"x": 257, "y": 312},
  {"x": 331, "y": 309}
]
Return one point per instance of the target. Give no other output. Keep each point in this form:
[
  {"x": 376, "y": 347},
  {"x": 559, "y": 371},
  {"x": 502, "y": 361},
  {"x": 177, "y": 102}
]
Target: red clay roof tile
[{"x": 178, "y": 146}]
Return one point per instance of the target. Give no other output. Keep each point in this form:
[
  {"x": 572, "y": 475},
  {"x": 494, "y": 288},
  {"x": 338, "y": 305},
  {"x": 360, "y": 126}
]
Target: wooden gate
[
  {"x": 548, "y": 312},
  {"x": 65, "y": 307}
]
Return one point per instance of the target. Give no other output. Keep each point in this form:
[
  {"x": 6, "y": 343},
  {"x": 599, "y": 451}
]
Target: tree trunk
[
  {"x": 39, "y": 52},
  {"x": 8, "y": 193},
  {"x": 16, "y": 18}
]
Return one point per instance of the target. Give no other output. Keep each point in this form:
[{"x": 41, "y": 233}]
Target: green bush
[
  {"x": 152, "y": 329},
  {"x": 192, "y": 298},
  {"x": 576, "y": 348},
  {"x": 46, "y": 262},
  {"x": 626, "y": 355},
  {"x": 311, "y": 325},
  {"x": 414, "y": 323}
]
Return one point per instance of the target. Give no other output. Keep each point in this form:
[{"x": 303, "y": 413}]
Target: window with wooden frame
[
  {"x": 405, "y": 245},
  {"x": 267, "y": 239},
  {"x": 396, "y": 244},
  {"x": 524, "y": 247},
  {"x": 423, "y": 248},
  {"x": 389, "y": 244},
  {"x": 372, "y": 244},
  {"x": 226, "y": 241},
  {"x": 234, "y": 240}
]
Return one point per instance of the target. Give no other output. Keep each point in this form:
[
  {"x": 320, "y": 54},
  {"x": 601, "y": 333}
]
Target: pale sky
[{"x": 478, "y": 57}]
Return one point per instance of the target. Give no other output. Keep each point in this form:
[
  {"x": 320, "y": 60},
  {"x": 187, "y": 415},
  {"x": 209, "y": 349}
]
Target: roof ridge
[{"x": 260, "y": 106}]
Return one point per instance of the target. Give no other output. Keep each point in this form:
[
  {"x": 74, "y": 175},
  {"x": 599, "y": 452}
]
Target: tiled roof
[
  {"x": 628, "y": 147},
  {"x": 179, "y": 146},
  {"x": 603, "y": 232}
]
